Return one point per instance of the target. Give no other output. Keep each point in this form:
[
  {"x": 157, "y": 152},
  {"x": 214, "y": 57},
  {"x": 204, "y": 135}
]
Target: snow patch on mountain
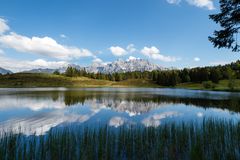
[
  {"x": 130, "y": 65},
  {"x": 119, "y": 66}
]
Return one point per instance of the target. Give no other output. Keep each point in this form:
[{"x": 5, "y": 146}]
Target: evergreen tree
[
  {"x": 184, "y": 75},
  {"x": 229, "y": 20},
  {"x": 56, "y": 72},
  {"x": 69, "y": 72},
  {"x": 215, "y": 75}
]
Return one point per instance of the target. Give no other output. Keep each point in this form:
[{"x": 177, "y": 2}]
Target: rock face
[
  {"x": 5, "y": 71},
  {"x": 129, "y": 65},
  {"x": 40, "y": 70}
]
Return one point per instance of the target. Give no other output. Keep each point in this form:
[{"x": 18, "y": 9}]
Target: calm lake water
[{"x": 36, "y": 111}]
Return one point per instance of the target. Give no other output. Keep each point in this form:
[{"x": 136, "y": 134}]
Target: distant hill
[{"x": 5, "y": 71}]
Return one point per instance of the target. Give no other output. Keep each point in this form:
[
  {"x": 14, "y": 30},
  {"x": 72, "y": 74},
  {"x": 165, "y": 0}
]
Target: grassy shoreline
[{"x": 27, "y": 80}]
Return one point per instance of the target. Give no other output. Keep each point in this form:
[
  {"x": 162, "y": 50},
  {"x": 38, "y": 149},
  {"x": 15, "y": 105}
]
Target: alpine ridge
[
  {"x": 129, "y": 65},
  {"x": 119, "y": 66}
]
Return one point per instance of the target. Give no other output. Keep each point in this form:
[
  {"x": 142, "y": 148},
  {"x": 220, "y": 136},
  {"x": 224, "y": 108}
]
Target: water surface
[{"x": 37, "y": 110}]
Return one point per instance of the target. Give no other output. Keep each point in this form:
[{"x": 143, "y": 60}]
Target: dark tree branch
[{"x": 229, "y": 20}]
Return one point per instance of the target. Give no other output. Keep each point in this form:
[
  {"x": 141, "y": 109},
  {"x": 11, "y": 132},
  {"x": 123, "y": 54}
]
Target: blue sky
[{"x": 48, "y": 34}]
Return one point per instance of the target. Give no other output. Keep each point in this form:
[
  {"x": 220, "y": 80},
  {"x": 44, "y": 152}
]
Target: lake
[{"x": 38, "y": 110}]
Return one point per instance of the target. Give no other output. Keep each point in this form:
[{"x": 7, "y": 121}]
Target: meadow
[
  {"x": 24, "y": 80},
  {"x": 30, "y": 80}
]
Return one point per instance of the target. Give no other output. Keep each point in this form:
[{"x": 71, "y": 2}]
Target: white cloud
[
  {"x": 22, "y": 65},
  {"x": 198, "y": 3},
  {"x": 3, "y": 26},
  {"x": 173, "y": 1},
  {"x": 196, "y": 59},
  {"x": 131, "y": 48},
  {"x": 63, "y": 36},
  {"x": 132, "y": 58},
  {"x": 97, "y": 60},
  {"x": 117, "y": 51},
  {"x": 43, "y": 46},
  {"x": 40, "y": 63},
  {"x": 202, "y": 3},
  {"x": 154, "y": 53}
]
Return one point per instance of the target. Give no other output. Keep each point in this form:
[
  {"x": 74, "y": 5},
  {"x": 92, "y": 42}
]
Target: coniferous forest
[{"x": 206, "y": 75}]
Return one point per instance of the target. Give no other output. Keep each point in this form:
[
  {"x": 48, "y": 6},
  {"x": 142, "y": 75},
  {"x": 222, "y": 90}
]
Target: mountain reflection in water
[{"x": 37, "y": 111}]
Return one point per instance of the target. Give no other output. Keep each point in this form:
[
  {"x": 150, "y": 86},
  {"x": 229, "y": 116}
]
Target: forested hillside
[{"x": 170, "y": 77}]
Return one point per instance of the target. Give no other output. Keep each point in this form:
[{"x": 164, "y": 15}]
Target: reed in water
[{"x": 211, "y": 139}]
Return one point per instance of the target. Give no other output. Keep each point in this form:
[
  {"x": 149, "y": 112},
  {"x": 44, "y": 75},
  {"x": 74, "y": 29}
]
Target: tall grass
[{"x": 211, "y": 139}]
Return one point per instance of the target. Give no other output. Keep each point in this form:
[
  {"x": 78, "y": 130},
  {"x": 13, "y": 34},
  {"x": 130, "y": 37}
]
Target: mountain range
[
  {"x": 129, "y": 65},
  {"x": 5, "y": 71}
]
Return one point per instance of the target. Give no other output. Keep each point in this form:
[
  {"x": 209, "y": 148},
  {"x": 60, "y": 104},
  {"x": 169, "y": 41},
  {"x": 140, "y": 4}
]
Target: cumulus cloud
[
  {"x": 154, "y": 53},
  {"x": 198, "y": 3},
  {"x": 43, "y": 46},
  {"x": 196, "y": 59},
  {"x": 3, "y": 26},
  {"x": 131, "y": 48},
  {"x": 202, "y": 3},
  {"x": 22, "y": 65},
  {"x": 40, "y": 63},
  {"x": 118, "y": 51}
]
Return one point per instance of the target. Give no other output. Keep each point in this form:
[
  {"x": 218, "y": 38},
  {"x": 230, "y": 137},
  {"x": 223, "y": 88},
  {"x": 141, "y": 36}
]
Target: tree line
[{"x": 167, "y": 77}]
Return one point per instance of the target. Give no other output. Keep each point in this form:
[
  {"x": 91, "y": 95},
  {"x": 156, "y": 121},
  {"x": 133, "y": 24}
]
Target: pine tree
[{"x": 229, "y": 20}]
